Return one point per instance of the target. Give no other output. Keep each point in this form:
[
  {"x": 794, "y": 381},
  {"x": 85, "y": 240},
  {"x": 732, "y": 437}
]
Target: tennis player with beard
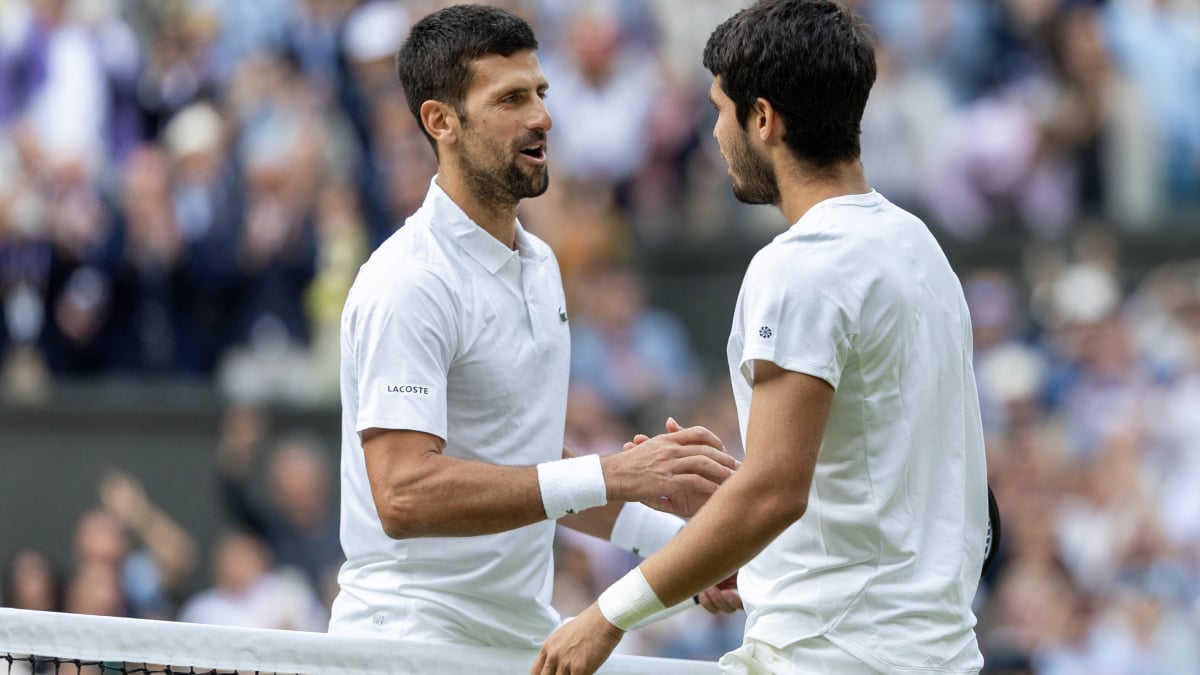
[
  {"x": 455, "y": 352},
  {"x": 857, "y": 518}
]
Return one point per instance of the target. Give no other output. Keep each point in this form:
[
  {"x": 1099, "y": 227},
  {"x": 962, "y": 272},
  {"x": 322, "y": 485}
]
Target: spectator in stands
[
  {"x": 397, "y": 168},
  {"x": 297, "y": 523},
  {"x": 1165, "y": 315},
  {"x": 77, "y": 339},
  {"x": 31, "y": 581},
  {"x": 1155, "y": 43},
  {"x": 180, "y": 60},
  {"x": 275, "y": 259},
  {"x": 1003, "y": 117},
  {"x": 369, "y": 95},
  {"x": 248, "y": 592},
  {"x": 604, "y": 91},
  {"x": 25, "y": 265},
  {"x": 53, "y": 77},
  {"x": 97, "y": 589},
  {"x": 639, "y": 359},
  {"x": 150, "y": 283},
  {"x": 341, "y": 247},
  {"x": 905, "y": 123},
  {"x": 206, "y": 196},
  {"x": 1091, "y": 123},
  {"x": 151, "y": 576}
]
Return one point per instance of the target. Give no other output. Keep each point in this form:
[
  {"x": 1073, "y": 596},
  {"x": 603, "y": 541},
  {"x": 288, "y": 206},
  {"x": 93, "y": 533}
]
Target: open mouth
[{"x": 536, "y": 152}]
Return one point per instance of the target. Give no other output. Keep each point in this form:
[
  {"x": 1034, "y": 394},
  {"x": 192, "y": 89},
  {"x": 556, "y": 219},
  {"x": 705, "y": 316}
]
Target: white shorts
[{"x": 814, "y": 656}]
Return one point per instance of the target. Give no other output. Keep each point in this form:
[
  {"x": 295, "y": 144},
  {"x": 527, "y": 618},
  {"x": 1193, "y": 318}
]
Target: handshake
[{"x": 675, "y": 472}]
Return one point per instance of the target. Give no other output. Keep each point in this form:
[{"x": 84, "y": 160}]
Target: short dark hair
[
  {"x": 813, "y": 60},
  {"x": 434, "y": 63}
]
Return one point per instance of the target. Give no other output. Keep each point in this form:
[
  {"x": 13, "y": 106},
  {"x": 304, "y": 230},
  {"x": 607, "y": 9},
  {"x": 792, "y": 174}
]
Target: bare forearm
[
  {"x": 770, "y": 492},
  {"x": 171, "y": 546},
  {"x": 451, "y": 497},
  {"x": 420, "y": 492},
  {"x": 737, "y": 523}
]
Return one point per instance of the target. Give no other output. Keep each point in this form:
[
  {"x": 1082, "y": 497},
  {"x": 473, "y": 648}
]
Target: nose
[{"x": 540, "y": 120}]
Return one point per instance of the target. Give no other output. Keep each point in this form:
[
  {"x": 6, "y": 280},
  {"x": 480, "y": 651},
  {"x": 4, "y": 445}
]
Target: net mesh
[{"x": 45, "y": 642}]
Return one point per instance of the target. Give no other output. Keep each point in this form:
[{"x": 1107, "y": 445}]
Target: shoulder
[
  {"x": 810, "y": 258},
  {"x": 399, "y": 275}
]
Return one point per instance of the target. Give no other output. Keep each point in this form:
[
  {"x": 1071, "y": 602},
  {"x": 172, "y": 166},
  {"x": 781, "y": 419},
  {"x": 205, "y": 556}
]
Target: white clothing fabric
[
  {"x": 602, "y": 133},
  {"x": 280, "y": 600},
  {"x": 69, "y": 111},
  {"x": 886, "y": 560},
  {"x": 449, "y": 332},
  {"x": 814, "y": 656}
]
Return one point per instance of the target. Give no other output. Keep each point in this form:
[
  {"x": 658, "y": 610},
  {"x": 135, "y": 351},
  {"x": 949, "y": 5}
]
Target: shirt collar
[{"x": 447, "y": 217}]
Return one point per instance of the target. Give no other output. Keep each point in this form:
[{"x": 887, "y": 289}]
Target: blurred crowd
[{"x": 187, "y": 189}]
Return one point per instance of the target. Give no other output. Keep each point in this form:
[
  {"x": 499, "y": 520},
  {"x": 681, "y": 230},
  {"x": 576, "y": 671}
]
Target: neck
[
  {"x": 497, "y": 219},
  {"x": 801, "y": 188}
]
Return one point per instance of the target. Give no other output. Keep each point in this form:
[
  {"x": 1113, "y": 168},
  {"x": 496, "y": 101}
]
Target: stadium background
[{"x": 187, "y": 189}]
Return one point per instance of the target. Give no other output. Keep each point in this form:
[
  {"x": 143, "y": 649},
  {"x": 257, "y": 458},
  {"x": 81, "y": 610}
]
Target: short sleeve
[
  {"x": 797, "y": 321},
  {"x": 405, "y": 338}
]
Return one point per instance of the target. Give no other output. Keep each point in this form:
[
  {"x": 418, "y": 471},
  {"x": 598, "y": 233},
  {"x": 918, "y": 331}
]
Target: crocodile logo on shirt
[{"x": 562, "y": 315}]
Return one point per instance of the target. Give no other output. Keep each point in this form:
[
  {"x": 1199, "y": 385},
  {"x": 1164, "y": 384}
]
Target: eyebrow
[{"x": 541, "y": 88}]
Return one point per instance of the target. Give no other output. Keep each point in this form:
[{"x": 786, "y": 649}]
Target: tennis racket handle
[{"x": 668, "y": 612}]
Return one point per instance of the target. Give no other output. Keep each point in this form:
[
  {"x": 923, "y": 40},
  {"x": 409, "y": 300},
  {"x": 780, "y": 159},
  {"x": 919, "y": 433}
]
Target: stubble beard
[
  {"x": 505, "y": 182},
  {"x": 754, "y": 180}
]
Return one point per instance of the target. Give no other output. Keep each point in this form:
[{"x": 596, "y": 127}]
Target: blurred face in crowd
[
  {"x": 754, "y": 180},
  {"x": 300, "y": 484},
  {"x": 238, "y": 561},
  {"x": 100, "y": 538},
  {"x": 501, "y": 150},
  {"x": 32, "y": 583},
  {"x": 96, "y": 589},
  {"x": 614, "y": 300},
  {"x": 595, "y": 40}
]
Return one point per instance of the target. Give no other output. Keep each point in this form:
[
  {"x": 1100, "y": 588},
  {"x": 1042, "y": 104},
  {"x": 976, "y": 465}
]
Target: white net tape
[{"x": 71, "y": 637}]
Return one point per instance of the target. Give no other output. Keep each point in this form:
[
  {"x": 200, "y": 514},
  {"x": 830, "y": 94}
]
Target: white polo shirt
[
  {"x": 886, "y": 560},
  {"x": 449, "y": 332}
]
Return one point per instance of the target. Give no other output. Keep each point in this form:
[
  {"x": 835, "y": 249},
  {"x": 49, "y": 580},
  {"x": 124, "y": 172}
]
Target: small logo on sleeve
[
  {"x": 562, "y": 315},
  {"x": 409, "y": 389},
  {"x": 765, "y": 332}
]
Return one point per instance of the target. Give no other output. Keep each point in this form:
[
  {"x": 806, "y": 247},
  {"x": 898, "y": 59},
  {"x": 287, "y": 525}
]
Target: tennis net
[{"x": 32, "y": 643}]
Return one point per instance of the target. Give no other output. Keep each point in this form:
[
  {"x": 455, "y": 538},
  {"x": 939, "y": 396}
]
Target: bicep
[
  {"x": 394, "y": 457},
  {"x": 420, "y": 492},
  {"x": 788, "y": 412}
]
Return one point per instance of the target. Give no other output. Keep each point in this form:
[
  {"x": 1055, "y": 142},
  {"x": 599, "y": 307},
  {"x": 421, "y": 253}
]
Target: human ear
[
  {"x": 765, "y": 120},
  {"x": 440, "y": 121}
]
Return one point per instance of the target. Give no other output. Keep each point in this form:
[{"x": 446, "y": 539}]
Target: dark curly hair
[{"x": 813, "y": 60}]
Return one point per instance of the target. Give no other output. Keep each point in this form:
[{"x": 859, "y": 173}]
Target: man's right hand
[{"x": 674, "y": 472}]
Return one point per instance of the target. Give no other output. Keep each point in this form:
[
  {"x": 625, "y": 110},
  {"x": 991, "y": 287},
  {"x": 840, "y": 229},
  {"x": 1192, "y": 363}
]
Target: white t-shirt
[
  {"x": 281, "y": 600},
  {"x": 449, "y": 332},
  {"x": 886, "y": 560}
]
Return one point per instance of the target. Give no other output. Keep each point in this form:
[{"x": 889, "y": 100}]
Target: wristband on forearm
[
  {"x": 629, "y": 601},
  {"x": 641, "y": 530},
  {"x": 571, "y": 485}
]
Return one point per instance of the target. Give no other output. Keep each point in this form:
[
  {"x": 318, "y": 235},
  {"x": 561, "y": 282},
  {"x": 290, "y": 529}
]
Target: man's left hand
[{"x": 579, "y": 646}]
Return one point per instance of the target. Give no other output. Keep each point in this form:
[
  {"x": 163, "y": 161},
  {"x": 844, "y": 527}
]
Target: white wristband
[
  {"x": 629, "y": 601},
  {"x": 642, "y": 530},
  {"x": 571, "y": 485}
]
